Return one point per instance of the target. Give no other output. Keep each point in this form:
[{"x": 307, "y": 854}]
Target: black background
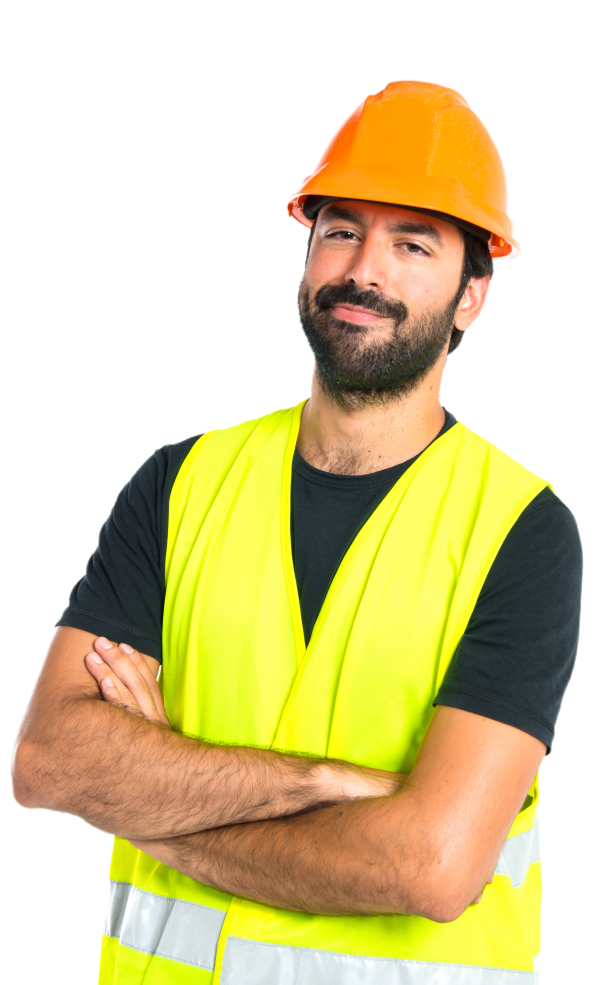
[{"x": 156, "y": 276}]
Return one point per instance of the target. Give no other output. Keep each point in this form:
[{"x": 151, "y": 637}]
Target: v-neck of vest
[{"x": 406, "y": 476}]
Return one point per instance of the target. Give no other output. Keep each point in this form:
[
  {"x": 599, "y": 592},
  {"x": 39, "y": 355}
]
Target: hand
[{"x": 125, "y": 679}]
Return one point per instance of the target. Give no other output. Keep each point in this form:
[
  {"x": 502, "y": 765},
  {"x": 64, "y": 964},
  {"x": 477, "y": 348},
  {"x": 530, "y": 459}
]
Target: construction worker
[{"x": 366, "y": 616}]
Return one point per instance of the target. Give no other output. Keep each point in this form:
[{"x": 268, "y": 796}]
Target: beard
[{"x": 352, "y": 369}]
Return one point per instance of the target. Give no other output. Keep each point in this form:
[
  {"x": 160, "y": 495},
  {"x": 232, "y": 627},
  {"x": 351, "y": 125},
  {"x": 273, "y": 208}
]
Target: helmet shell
[{"x": 419, "y": 145}]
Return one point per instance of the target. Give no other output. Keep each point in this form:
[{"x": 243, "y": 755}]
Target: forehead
[{"x": 393, "y": 218}]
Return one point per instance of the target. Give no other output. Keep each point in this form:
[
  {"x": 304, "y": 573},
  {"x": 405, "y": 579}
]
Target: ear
[{"x": 471, "y": 302}]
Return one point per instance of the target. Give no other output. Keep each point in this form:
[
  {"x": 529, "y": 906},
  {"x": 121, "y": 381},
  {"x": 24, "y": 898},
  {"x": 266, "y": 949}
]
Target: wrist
[
  {"x": 335, "y": 782},
  {"x": 339, "y": 781}
]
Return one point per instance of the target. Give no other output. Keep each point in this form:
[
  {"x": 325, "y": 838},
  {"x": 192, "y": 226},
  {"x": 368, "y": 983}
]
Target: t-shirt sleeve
[
  {"x": 121, "y": 596},
  {"x": 516, "y": 656}
]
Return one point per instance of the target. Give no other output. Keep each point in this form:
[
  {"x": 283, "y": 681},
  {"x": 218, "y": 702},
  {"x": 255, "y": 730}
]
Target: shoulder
[
  {"x": 486, "y": 448},
  {"x": 540, "y": 515},
  {"x": 277, "y": 420},
  {"x": 159, "y": 470},
  {"x": 545, "y": 529},
  {"x": 219, "y": 448},
  {"x": 549, "y": 501}
]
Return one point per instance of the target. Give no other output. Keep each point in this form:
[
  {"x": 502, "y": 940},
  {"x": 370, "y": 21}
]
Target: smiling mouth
[{"x": 351, "y": 313}]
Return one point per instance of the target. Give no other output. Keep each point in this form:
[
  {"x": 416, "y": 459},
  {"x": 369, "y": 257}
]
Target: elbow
[
  {"x": 442, "y": 908},
  {"x": 438, "y": 893},
  {"x": 445, "y": 909},
  {"x": 32, "y": 778},
  {"x": 451, "y": 896},
  {"x": 19, "y": 772}
]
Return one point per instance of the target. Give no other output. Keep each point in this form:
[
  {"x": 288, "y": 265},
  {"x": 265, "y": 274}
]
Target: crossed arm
[{"x": 367, "y": 845}]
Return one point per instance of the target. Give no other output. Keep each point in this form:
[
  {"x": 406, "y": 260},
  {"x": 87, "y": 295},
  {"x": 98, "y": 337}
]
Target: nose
[{"x": 367, "y": 268}]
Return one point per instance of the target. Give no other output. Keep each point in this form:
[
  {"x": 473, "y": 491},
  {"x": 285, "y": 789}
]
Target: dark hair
[{"x": 477, "y": 263}]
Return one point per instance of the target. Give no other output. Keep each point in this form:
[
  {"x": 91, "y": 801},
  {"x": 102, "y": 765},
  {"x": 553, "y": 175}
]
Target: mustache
[{"x": 331, "y": 294}]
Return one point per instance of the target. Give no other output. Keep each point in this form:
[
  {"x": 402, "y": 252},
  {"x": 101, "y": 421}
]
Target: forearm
[
  {"x": 139, "y": 779},
  {"x": 367, "y": 857}
]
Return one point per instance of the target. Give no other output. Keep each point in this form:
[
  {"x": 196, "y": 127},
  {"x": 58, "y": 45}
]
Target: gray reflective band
[
  {"x": 252, "y": 963},
  {"x": 189, "y": 933},
  {"x": 170, "y": 928},
  {"x": 518, "y": 854}
]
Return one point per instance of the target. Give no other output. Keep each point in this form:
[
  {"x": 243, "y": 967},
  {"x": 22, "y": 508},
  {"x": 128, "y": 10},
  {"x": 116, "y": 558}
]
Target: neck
[{"x": 358, "y": 440}]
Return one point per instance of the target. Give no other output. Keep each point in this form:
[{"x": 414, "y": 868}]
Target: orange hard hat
[{"x": 416, "y": 145}]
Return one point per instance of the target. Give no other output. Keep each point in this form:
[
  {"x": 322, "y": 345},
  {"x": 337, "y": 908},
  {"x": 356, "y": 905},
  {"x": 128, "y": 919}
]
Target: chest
[{"x": 237, "y": 666}]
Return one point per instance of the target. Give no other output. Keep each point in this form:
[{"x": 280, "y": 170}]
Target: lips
[{"x": 361, "y": 316}]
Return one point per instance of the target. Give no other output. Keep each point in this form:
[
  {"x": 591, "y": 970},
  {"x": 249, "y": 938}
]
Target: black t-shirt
[{"x": 515, "y": 658}]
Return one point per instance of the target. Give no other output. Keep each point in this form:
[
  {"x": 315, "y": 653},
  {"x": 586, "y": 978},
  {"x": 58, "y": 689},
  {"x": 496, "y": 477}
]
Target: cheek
[
  {"x": 325, "y": 268},
  {"x": 422, "y": 288}
]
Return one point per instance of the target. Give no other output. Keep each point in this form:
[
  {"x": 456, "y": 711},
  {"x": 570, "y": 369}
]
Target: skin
[
  {"x": 415, "y": 269},
  {"x": 324, "y": 862},
  {"x": 131, "y": 775}
]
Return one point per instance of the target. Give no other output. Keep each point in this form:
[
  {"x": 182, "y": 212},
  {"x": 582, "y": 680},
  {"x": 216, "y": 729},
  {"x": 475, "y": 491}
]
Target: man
[{"x": 290, "y": 808}]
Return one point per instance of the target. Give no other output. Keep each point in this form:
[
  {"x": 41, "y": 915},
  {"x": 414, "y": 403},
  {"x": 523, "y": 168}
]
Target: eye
[
  {"x": 343, "y": 234},
  {"x": 415, "y": 249}
]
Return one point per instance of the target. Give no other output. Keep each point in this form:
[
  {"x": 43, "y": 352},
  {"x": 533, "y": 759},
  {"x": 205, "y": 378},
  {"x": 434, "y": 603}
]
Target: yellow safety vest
[{"x": 236, "y": 670}]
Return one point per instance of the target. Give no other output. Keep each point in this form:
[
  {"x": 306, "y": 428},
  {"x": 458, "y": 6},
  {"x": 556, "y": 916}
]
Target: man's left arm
[{"x": 428, "y": 850}]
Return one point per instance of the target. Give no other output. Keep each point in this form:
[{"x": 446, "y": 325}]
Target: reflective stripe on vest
[
  {"x": 189, "y": 933},
  {"x": 171, "y": 928},
  {"x": 253, "y": 963},
  {"x": 407, "y": 585},
  {"x": 518, "y": 854}
]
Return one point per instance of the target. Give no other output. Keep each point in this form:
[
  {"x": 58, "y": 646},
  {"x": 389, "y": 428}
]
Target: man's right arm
[{"x": 139, "y": 779}]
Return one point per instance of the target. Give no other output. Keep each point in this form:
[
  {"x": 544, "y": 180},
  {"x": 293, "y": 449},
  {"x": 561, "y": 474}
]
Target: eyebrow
[{"x": 407, "y": 226}]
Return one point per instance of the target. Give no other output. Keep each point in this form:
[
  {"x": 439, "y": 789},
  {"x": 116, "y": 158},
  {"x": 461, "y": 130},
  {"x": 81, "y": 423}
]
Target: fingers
[
  {"x": 112, "y": 689},
  {"x": 130, "y": 673}
]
